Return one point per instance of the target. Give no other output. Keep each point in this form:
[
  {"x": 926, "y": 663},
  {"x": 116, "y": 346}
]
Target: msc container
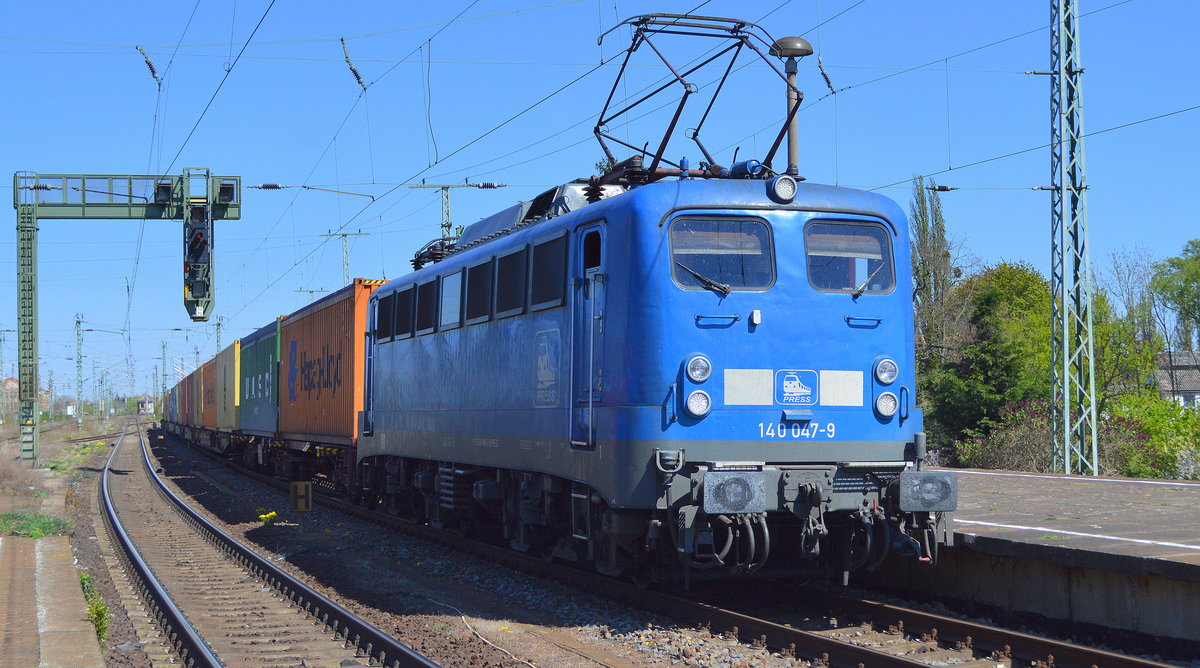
[
  {"x": 259, "y": 413},
  {"x": 208, "y": 406},
  {"x": 321, "y": 367},
  {"x": 227, "y": 371}
]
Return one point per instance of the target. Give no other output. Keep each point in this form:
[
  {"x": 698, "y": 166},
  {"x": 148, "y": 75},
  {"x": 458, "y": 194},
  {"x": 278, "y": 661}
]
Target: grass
[
  {"x": 74, "y": 455},
  {"x": 32, "y": 525},
  {"x": 97, "y": 612}
]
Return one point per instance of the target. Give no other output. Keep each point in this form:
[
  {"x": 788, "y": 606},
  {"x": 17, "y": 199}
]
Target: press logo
[{"x": 796, "y": 387}]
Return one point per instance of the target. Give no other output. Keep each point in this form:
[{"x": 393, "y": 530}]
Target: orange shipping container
[
  {"x": 197, "y": 398},
  {"x": 321, "y": 367},
  {"x": 208, "y": 376}
]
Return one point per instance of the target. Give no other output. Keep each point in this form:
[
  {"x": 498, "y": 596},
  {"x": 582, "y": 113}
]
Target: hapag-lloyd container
[{"x": 321, "y": 351}]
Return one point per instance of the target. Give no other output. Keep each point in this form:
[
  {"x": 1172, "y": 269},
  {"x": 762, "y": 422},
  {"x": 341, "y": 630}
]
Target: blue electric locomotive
[
  {"x": 713, "y": 373},
  {"x": 663, "y": 370}
]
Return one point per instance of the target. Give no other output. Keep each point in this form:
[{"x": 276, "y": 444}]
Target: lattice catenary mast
[{"x": 1073, "y": 400}]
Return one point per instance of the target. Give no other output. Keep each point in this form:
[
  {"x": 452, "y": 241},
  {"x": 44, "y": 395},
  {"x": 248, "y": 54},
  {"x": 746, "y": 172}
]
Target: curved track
[
  {"x": 216, "y": 601},
  {"x": 805, "y": 623}
]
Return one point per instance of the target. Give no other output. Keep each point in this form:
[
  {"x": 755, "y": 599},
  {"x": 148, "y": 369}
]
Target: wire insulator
[
  {"x": 150, "y": 65},
  {"x": 269, "y": 186},
  {"x": 353, "y": 69},
  {"x": 825, "y": 75}
]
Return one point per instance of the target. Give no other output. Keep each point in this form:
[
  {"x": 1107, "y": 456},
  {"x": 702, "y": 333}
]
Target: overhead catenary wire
[
  {"x": 1045, "y": 146},
  {"x": 220, "y": 85},
  {"x": 422, "y": 171}
]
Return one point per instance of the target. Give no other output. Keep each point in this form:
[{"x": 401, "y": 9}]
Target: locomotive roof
[{"x": 670, "y": 195}]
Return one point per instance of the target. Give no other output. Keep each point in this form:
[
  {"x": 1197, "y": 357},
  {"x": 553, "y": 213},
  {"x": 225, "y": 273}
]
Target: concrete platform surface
[
  {"x": 1121, "y": 525},
  {"x": 43, "y": 616}
]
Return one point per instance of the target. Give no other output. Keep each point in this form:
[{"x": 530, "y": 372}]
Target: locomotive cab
[{"x": 782, "y": 339}]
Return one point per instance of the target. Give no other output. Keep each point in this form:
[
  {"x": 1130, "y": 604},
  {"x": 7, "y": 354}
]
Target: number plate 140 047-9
[{"x": 796, "y": 430}]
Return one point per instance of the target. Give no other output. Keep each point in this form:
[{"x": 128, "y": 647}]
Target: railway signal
[{"x": 196, "y": 197}]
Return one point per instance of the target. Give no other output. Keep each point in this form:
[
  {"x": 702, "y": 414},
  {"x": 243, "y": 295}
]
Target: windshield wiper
[
  {"x": 861, "y": 288},
  {"x": 708, "y": 282}
]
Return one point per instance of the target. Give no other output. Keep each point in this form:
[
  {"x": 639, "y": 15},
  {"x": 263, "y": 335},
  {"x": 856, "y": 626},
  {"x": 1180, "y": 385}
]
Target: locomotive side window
[
  {"x": 404, "y": 313},
  {"x": 591, "y": 251},
  {"x": 479, "y": 292},
  {"x": 549, "y": 271},
  {"x": 511, "y": 275},
  {"x": 427, "y": 303},
  {"x": 383, "y": 318},
  {"x": 451, "y": 301},
  {"x": 722, "y": 254},
  {"x": 849, "y": 257}
]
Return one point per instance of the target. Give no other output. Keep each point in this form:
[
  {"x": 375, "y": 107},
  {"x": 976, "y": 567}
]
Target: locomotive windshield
[
  {"x": 849, "y": 257},
  {"x": 722, "y": 254}
]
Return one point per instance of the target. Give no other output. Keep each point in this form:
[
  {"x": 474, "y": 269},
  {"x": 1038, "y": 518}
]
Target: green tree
[
  {"x": 1177, "y": 282},
  {"x": 1005, "y": 357},
  {"x": 934, "y": 273},
  {"x": 1125, "y": 357}
]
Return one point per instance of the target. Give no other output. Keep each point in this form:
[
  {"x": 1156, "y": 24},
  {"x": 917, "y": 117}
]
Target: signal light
[{"x": 162, "y": 192}]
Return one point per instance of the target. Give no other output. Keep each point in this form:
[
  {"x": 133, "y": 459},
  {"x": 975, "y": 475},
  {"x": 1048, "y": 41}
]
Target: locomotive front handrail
[
  {"x": 859, "y": 321},
  {"x": 700, "y": 317}
]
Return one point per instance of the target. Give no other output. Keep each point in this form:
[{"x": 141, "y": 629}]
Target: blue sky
[{"x": 931, "y": 87}]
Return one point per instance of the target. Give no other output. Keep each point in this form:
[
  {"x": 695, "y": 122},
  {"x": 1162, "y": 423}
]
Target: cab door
[{"x": 587, "y": 334}]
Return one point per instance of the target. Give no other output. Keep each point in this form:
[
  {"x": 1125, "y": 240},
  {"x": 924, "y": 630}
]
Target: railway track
[
  {"x": 806, "y": 623},
  {"x": 217, "y": 602}
]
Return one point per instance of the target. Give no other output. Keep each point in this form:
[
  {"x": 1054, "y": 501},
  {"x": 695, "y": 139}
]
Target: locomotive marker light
[
  {"x": 886, "y": 371},
  {"x": 699, "y": 403},
  {"x": 699, "y": 368},
  {"x": 887, "y": 404}
]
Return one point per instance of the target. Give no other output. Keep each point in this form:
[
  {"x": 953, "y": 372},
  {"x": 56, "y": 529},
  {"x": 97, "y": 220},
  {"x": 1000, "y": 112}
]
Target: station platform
[
  {"x": 1122, "y": 525},
  {"x": 1115, "y": 553},
  {"x": 43, "y": 615}
]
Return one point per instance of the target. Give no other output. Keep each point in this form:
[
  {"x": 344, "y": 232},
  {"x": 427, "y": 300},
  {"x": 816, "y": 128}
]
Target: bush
[
  {"x": 1143, "y": 436},
  {"x": 1173, "y": 434},
  {"x": 1018, "y": 441}
]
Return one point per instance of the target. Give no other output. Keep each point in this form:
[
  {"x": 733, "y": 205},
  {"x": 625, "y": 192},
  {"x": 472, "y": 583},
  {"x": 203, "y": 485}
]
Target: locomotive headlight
[
  {"x": 699, "y": 403},
  {"x": 886, "y": 404},
  {"x": 782, "y": 189},
  {"x": 886, "y": 371},
  {"x": 699, "y": 368}
]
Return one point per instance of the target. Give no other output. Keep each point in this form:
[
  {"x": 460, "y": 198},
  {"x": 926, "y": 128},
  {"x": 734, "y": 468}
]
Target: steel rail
[
  {"x": 357, "y": 632},
  {"x": 1024, "y": 646},
  {"x": 720, "y": 621},
  {"x": 184, "y": 639},
  {"x": 747, "y": 628}
]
